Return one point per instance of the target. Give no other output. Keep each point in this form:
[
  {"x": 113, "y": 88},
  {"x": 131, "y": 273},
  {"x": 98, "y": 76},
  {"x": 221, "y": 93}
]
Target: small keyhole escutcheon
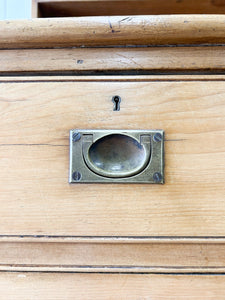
[{"x": 116, "y": 100}]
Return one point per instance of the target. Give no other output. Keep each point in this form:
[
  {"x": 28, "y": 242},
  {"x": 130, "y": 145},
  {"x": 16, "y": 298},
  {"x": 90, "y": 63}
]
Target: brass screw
[
  {"x": 157, "y": 177},
  {"x": 157, "y": 137},
  {"x": 76, "y": 136},
  {"x": 76, "y": 176}
]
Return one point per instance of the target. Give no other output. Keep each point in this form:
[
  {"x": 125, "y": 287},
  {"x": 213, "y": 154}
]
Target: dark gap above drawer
[
  {"x": 113, "y": 73},
  {"x": 46, "y": 9}
]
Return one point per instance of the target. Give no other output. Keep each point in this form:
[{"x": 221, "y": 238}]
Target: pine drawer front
[
  {"x": 114, "y": 227},
  {"x": 36, "y": 118}
]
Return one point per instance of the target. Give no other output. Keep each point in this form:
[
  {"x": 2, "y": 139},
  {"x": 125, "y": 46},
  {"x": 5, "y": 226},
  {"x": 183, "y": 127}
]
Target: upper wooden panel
[
  {"x": 35, "y": 196},
  {"x": 113, "y": 31},
  {"x": 77, "y": 8}
]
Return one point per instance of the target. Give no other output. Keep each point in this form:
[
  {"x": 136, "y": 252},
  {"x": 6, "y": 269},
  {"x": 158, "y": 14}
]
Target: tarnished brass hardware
[{"x": 120, "y": 156}]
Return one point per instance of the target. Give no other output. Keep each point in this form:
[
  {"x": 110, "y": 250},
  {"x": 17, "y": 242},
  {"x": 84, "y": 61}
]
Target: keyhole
[{"x": 116, "y": 100}]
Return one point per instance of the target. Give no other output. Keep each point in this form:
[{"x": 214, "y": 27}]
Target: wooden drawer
[
  {"x": 179, "y": 219},
  {"x": 37, "y": 117}
]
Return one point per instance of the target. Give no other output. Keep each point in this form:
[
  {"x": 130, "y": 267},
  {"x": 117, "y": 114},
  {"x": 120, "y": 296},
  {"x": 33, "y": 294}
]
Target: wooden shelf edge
[{"x": 112, "y": 31}]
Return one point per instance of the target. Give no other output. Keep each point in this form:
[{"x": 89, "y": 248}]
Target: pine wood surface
[
  {"x": 35, "y": 286},
  {"x": 114, "y": 59},
  {"x": 53, "y": 231},
  {"x": 112, "y": 31},
  {"x": 36, "y": 198}
]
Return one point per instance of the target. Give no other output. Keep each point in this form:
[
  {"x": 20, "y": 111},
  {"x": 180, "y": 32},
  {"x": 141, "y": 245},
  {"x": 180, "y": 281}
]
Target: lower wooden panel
[
  {"x": 113, "y": 257},
  {"x": 36, "y": 286}
]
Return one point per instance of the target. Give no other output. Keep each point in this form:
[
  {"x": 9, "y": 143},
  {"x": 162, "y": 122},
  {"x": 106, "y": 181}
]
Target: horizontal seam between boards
[
  {"x": 118, "y": 273},
  {"x": 112, "y": 80},
  {"x": 108, "y": 266},
  {"x": 205, "y": 45},
  {"x": 113, "y": 237}
]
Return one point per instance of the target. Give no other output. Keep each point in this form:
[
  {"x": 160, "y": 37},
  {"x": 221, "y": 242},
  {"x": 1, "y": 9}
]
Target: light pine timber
[
  {"x": 112, "y": 31},
  {"x": 35, "y": 196},
  {"x": 106, "y": 59},
  {"x": 35, "y": 286},
  {"x": 113, "y": 257},
  {"x": 65, "y": 8}
]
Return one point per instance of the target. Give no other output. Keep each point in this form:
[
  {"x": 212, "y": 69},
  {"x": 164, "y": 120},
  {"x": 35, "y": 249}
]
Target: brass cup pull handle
[{"x": 117, "y": 155}]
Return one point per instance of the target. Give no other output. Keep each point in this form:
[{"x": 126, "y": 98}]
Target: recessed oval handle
[{"x": 117, "y": 155}]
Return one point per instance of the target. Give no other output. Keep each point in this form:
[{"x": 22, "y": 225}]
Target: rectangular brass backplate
[{"x": 116, "y": 156}]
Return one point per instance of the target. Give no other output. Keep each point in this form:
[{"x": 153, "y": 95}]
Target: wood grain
[
  {"x": 117, "y": 59},
  {"x": 48, "y": 226},
  {"x": 35, "y": 196},
  {"x": 75, "y": 8},
  {"x": 112, "y": 31},
  {"x": 35, "y": 286},
  {"x": 113, "y": 257}
]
